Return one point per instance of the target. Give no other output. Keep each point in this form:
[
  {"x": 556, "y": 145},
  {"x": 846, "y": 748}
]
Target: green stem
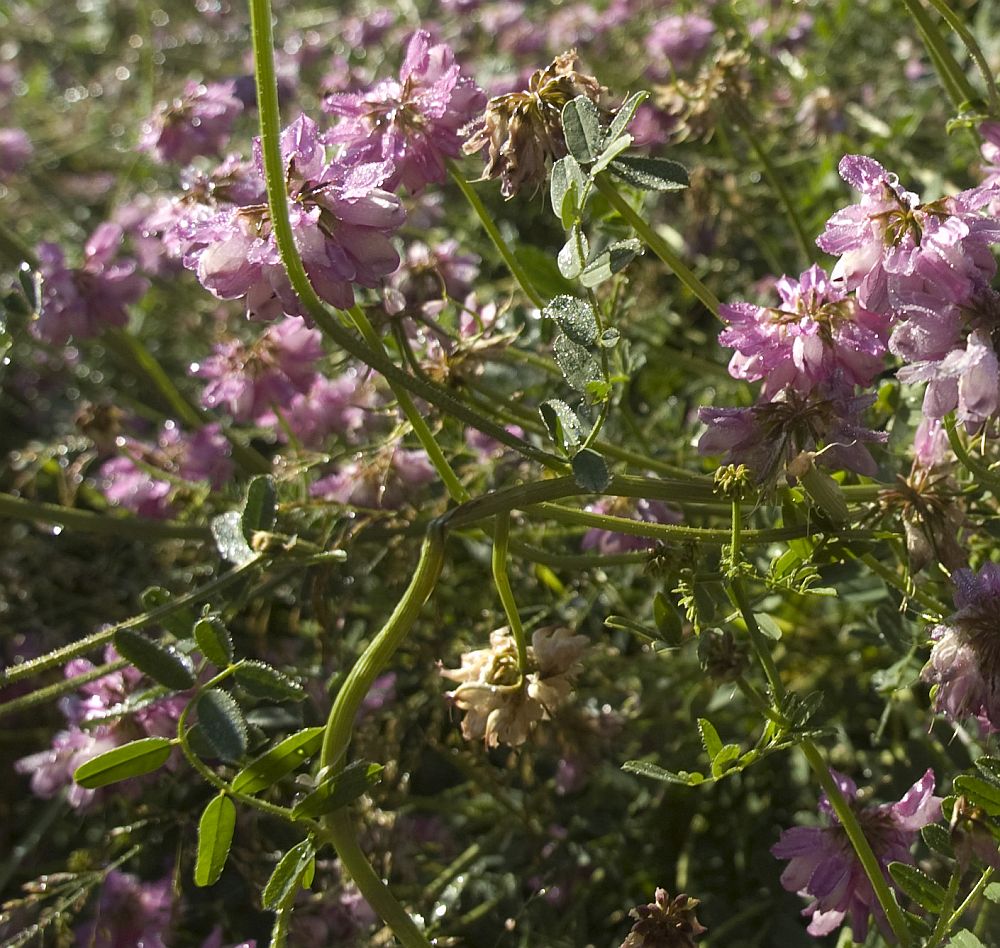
[
  {"x": 456, "y": 491},
  {"x": 339, "y": 831},
  {"x": 86, "y": 521},
  {"x": 277, "y": 197},
  {"x": 15, "y": 250},
  {"x": 889, "y": 577},
  {"x": 953, "y": 77},
  {"x": 501, "y": 537},
  {"x": 62, "y": 655},
  {"x": 841, "y": 807},
  {"x": 977, "y": 890},
  {"x": 43, "y": 695},
  {"x": 975, "y": 51},
  {"x": 657, "y": 244},
  {"x": 777, "y": 182},
  {"x": 382, "y": 647},
  {"x": 983, "y": 475},
  {"x": 862, "y": 848},
  {"x": 489, "y": 225},
  {"x": 944, "y": 919}
]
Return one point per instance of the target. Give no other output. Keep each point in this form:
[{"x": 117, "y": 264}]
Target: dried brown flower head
[
  {"x": 665, "y": 923},
  {"x": 523, "y": 130},
  {"x": 697, "y": 104},
  {"x": 500, "y": 704}
]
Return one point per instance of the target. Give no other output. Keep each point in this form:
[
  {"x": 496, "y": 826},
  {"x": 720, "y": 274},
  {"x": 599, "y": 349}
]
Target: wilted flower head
[
  {"x": 664, "y": 923},
  {"x": 522, "y": 131},
  {"x": 78, "y": 303},
  {"x": 428, "y": 276},
  {"x": 500, "y": 704},
  {"x": 414, "y": 122},
  {"x": 197, "y": 123},
  {"x": 824, "y": 867},
  {"x": 696, "y": 103},
  {"x": 818, "y": 335},
  {"x": 964, "y": 665}
]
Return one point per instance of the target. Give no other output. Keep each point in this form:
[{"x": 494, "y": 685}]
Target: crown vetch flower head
[
  {"x": 341, "y": 218},
  {"x": 665, "y": 923},
  {"x": 824, "y": 867},
  {"x": 522, "y": 131},
  {"x": 250, "y": 380},
  {"x": 78, "y": 303},
  {"x": 891, "y": 246},
  {"x": 415, "y": 122},
  {"x": 964, "y": 664},
  {"x": 817, "y": 335},
  {"x": 197, "y": 123}
]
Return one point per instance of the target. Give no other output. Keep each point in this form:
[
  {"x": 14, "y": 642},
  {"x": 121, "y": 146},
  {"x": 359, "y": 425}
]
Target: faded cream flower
[
  {"x": 500, "y": 704},
  {"x": 524, "y": 129}
]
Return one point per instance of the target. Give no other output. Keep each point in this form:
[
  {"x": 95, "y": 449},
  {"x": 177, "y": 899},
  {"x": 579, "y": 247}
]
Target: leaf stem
[
  {"x": 454, "y": 486},
  {"x": 955, "y": 21},
  {"x": 657, "y": 244},
  {"x": 501, "y": 536},
  {"x": 953, "y": 77},
  {"x": 489, "y": 225}
]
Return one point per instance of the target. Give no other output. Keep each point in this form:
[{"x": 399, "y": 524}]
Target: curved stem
[
  {"x": 501, "y": 536},
  {"x": 983, "y": 475},
  {"x": 456, "y": 491},
  {"x": 657, "y": 244},
  {"x": 42, "y": 695},
  {"x": 339, "y": 832},
  {"x": 352, "y": 692},
  {"x": 489, "y": 225}
]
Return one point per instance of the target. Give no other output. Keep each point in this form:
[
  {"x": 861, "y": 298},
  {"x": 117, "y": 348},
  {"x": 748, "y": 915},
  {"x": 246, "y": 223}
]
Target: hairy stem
[{"x": 501, "y": 537}]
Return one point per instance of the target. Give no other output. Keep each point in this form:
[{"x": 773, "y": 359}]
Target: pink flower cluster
[
  {"x": 52, "y": 770},
  {"x": 77, "y": 303},
  {"x": 199, "y": 122}
]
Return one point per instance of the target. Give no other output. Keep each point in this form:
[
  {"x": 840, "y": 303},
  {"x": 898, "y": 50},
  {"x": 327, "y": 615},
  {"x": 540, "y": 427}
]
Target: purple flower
[
  {"x": 341, "y": 218},
  {"x": 197, "y": 123},
  {"x": 429, "y": 275},
  {"x": 890, "y": 245},
  {"x": 824, "y": 867},
  {"x": 384, "y": 482},
  {"x": 963, "y": 663},
  {"x": 966, "y": 381},
  {"x": 645, "y": 511},
  {"x": 676, "y": 43},
  {"x": 130, "y": 913},
  {"x": 80, "y": 303},
  {"x": 414, "y": 122},
  {"x": 52, "y": 770},
  {"x": 202, "y": 456},
  {"x": 818, "y": 335},
  {"x": 330, "y": 406},
  {"x": 767, "y": 436},
  {"x": 249, "y": 380},
  {"x": 15, "y": 150}
]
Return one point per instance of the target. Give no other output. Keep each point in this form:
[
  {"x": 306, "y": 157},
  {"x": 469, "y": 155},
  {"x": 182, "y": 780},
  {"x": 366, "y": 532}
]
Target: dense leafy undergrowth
[{"x": 494, "y": 473}]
